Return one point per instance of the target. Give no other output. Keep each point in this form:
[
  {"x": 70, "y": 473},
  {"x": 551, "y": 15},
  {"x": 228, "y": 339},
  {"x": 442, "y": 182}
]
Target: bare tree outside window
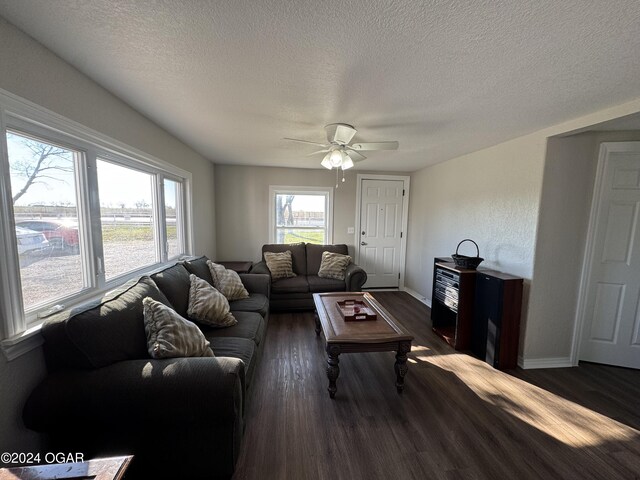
[
  {"x": 45, "y": 215},
  {"x": 283, "y": 208},
  {"x": 301, "y": 218},
  {"x": 39, "y": 168}
]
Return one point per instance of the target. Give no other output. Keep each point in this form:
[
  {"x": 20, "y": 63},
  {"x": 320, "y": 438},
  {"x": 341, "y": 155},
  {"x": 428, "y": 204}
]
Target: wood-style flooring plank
[{"x": 457, "y": 418}]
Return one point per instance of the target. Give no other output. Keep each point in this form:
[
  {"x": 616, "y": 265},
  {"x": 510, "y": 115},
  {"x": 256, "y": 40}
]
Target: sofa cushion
[
  {"x": 207, "y": 305},
  {"x": 256, "y": 302},
  {"x": 250, "y": 325},
  {"x": 319, "y": 285},
  {"x": 291, "y": 285},
  {"x": 101, "y": 333},
  {"x": 198, "y": 266},
  {"x": 279, "y": 264},
  {"x": 333, "y": 265},
  {"x": 169, "y": 335},
  {"x": 241, "y": 348},
  {"x": 314, "y": 255},
  {"x": 298, "y": 255},
  {"x": 174, "y": 283},
  {"x": 227, "y": 282}
]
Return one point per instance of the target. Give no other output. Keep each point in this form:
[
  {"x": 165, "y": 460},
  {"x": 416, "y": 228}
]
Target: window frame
[
  {"x": 26, "y": 118},
  {"x": 297, "y": 190}
]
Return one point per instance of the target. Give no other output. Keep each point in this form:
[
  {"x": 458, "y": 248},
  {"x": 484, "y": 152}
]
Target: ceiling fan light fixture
[
  {"x": 336, "y": 157},
  {"x": 326, "y": 161},
  {"x": 347, "y": 163}
]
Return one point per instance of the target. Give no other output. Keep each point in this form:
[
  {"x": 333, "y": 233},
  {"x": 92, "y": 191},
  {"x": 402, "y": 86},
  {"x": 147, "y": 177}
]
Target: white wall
[
  {"x": 567, "y": 194},
  {"x": 490, "y": 196},
  {"x": 32, "y": 72},
  {"x": 564, "y": 214},
  {"x": 242, "y": 206}
]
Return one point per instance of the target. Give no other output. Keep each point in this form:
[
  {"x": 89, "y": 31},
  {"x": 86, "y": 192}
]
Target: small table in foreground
[
  {"x": 237, "y": 266},
  {"x": 111, "y": 468},
  {"x": 381, "y": 335}
]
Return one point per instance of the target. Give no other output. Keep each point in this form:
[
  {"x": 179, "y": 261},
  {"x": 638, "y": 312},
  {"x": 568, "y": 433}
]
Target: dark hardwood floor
[{"x": 458, "y": 418}]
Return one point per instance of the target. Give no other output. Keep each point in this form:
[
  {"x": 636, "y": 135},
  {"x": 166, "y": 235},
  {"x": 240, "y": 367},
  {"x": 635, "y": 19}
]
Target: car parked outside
[
  {"x": 30, "y": 241},
  {"x": 60, "y": 234}
]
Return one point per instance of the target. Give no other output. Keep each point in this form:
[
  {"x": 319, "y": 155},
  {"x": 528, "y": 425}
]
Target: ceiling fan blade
[
  {"x": 319, "y": 151},
  {"x": 340, "y": 133},
  {"x": 376, "y": 146},
  {"x": 355, "y": 156},
  {"x": 306, "y": 141}
]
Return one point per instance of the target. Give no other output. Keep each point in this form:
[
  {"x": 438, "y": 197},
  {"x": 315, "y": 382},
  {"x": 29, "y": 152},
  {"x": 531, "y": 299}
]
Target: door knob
[{"x": 363, "y": 243}]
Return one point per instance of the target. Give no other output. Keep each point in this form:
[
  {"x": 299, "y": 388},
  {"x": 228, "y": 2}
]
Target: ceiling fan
[{"x": 341, "y": 154}]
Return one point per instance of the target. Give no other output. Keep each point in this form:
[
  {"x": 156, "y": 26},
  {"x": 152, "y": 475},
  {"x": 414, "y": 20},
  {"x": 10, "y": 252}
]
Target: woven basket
[{"x": 462, "y": 261}]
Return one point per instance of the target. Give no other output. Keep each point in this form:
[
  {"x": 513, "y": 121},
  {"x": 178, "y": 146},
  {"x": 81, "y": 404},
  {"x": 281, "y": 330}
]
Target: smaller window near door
[{"x": 301, "y": 214}]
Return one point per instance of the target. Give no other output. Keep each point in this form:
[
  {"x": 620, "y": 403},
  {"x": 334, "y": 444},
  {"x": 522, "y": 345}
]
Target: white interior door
[
  {"x": 381, "y": 205},
  {"x": 611, "y": 329}
]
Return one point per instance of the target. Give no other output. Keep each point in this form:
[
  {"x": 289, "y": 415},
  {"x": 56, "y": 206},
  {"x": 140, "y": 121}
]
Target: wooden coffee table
[{"x": 381, "y": 335}]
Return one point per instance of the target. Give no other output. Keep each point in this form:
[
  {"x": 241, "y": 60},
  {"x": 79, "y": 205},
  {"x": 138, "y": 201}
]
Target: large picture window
[
  {"x": 301, "y": 214},
  {"x": 78, "y": 217}
]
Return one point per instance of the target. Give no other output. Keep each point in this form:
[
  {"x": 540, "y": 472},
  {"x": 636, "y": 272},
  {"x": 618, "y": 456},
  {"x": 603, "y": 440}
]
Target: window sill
[{"x": 22, "y": 343}]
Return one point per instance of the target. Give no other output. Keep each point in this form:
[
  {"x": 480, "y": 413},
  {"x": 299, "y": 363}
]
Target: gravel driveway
[{"x": 55, "y": 273}]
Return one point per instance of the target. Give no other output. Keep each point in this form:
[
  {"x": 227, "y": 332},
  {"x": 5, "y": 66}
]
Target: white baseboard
[
  {"x": 550, "y": 362},
  {"x": 418, "y": 296}
]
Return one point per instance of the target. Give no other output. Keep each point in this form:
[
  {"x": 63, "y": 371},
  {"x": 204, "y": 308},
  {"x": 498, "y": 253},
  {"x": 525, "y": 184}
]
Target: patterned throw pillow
[
  {"x": 333, "y": 265},
  {"x": 169, "y": 335},
  {"x": 280, "y": 264},
  {"x": 227, "y": 282},
  {"x": 208, "y": 305}
]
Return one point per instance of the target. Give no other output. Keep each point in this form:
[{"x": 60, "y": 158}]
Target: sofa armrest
[
  {"x": 354, "y": 277},
  {"x": 257, "y": 283},
  {"x": 180, "y": 417},
  {"x": 261, "y": 267},
  {"x": 139, "y": 391}
]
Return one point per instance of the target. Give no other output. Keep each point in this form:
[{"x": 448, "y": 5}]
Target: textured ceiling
[{"x": 232, "y": 77}]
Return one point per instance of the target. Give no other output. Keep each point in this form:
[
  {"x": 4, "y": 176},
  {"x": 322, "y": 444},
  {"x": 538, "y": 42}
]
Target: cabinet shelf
[
  {"x": 477, "y": 311},
  {"x": 452, "y": 303}
]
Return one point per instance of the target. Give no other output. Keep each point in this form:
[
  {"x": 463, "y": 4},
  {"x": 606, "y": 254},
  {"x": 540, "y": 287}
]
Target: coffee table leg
[
  {"x": 317, "y": 319},
  {"x": 401, "y": 364},
  {"x": 333, "y": 351}
]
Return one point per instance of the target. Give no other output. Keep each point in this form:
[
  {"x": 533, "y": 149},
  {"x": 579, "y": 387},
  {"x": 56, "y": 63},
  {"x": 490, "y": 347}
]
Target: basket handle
[{"x": 468, "y": 240}]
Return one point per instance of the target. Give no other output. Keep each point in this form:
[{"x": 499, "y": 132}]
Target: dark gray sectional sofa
[
  {"x": 296, "y": 293},
  {"x": 179, "y": 417}
]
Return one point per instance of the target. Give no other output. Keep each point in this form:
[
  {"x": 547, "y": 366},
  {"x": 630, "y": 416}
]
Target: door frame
[
  {"x": 406, "y": 179},
  {"x": 594, "y": 217}
]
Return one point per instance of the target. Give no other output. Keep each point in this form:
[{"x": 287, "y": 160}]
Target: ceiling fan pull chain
[
  {"x": 337, "y": 177},
  {"x": 342, "y": 176}
]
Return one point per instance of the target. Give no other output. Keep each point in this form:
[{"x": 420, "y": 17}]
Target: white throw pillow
[
  {"x": 169, "y": 335},
  {"x": 227, "y": 282},
  {"x": 208, "y": 305}
]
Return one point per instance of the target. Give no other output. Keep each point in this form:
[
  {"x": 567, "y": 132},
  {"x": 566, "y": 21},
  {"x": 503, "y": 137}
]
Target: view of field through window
[
  {"x": 301, "y": 218},
  {"x": 171, "y": 192},
  {"x": 127, "y": 218}
]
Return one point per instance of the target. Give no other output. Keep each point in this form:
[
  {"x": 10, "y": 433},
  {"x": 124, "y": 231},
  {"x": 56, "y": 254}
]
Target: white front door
[
  {"x": 380, "y": 231},
  {"x": 611, "y": 330}
]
